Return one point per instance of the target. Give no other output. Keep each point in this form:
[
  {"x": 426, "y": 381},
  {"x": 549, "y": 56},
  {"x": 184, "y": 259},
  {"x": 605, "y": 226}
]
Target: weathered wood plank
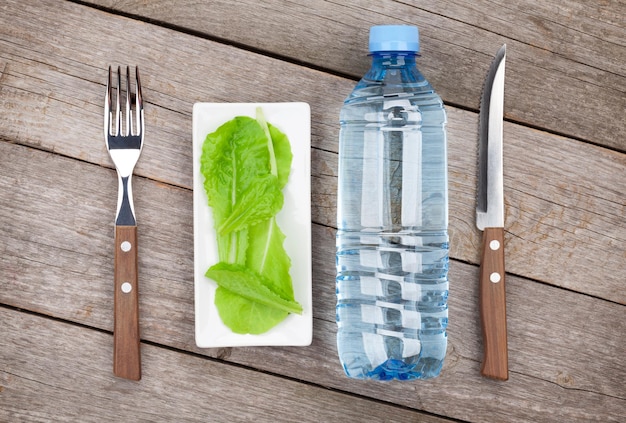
[
  {"x": 565, "y": 348},
  {"x": 565, "y": 69},
  {"x": 56, "y": 251},
  {"x": 560, "y": 215},
  {"x": 67, "y": 377}
]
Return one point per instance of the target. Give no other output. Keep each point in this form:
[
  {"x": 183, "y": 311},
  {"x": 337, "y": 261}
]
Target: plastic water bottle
[{"x": 392, "y": 218}]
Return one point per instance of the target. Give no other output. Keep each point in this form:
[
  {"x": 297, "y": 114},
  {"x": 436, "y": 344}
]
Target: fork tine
[
  {"x": 126, "y": 123},
  {"x": 138, "y": 102},
  {"x": 107, "y": 107},
  {"x": 128, "y": 129},
  {"x": 118, "y": 112}
]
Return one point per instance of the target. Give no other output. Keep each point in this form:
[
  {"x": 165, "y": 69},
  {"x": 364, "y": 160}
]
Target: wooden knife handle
[
  {"x": 493, "y": 305},
  {"x": 126, "y": 351}
]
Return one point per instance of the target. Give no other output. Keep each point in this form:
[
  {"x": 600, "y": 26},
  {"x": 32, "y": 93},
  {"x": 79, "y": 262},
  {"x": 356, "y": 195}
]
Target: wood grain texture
[
  {"x": 492, "y": 304},
  {"x": 126, "y": 346},
  {"x": 558, "y": 212},
  {"x": 564, "y": 201},
  {"x": 551, "y": 330},
  {"x": 69, "y": 379},
  {"x": 559, "y": 53}
]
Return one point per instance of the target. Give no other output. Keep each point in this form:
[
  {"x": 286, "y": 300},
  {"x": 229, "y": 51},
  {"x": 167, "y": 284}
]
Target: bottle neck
[
  {"x": 394, "y": 69},
  {"x": 394, "y": 59}
]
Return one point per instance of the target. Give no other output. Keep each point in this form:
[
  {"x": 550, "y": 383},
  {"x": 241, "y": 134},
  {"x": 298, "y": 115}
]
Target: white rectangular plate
[{"x": 294, "y": 120}]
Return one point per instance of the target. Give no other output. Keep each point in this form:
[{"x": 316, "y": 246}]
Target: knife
[{"x": 490, "y": 220}]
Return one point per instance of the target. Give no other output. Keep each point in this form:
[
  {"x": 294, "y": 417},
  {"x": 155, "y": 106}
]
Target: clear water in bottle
[{"x": 392, "y": 218}]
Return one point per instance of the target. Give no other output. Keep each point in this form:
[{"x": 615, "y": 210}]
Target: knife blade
[{"x": 490, "y": 220}]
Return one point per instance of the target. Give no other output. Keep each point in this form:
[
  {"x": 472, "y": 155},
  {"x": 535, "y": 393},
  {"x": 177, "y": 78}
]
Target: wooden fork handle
[
  {"x": 493, "y": 305},
  {"x": 126, "y": 345}
]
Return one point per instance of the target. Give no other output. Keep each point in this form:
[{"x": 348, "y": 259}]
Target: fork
[{"x": 124, "y": 143}]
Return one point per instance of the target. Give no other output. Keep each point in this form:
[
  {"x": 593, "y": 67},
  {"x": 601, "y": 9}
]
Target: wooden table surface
[{"x": 565, "y": 185}]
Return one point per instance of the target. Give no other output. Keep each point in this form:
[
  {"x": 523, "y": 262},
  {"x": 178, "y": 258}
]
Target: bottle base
[{"x": 394, "y": 369}]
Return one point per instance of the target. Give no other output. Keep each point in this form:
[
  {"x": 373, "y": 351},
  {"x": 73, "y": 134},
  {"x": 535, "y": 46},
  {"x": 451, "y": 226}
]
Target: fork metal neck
[{"x": 125, "y": 207}]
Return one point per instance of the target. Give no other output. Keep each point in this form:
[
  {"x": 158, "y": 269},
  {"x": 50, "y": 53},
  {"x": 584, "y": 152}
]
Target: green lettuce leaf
[
  {"x": 266, "y": 256},
  {"x": 279, "y": 149},
  {"x": 282, "y": 152},
  {"x": 246, "y": 164},
  {"x": 238, "y": 181},
  {"x": 244, "y": 316},
  {"x": 256, "y": 203},
  {"x": 250, "y": 285}
]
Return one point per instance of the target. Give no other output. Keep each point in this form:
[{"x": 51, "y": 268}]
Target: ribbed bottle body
[{"x": 392, "y": 241}]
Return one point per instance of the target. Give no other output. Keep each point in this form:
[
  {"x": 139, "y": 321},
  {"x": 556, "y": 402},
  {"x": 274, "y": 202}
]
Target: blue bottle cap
[{"x": 394, "y": 38}]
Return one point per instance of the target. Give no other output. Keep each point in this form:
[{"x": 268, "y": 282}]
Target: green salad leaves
[{"x": 246, "y": 164}]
